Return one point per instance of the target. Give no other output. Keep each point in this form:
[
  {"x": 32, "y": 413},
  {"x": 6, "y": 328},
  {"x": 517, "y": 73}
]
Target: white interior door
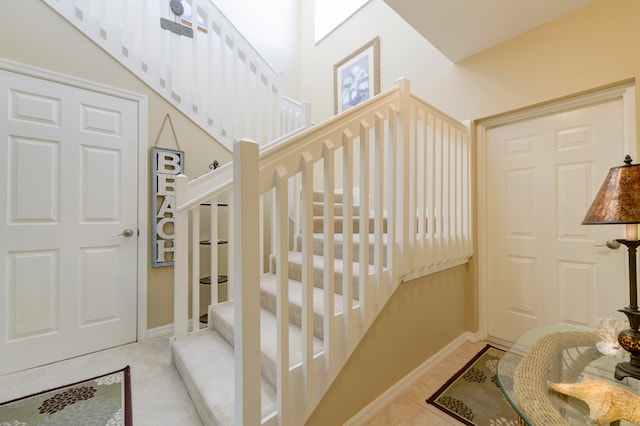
[
  {"x": 543, "y": 266},
  {"x": 68, "y": 185}
]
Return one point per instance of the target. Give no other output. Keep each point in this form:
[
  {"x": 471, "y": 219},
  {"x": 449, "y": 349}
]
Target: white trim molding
[{"x": 142, "y": 189}]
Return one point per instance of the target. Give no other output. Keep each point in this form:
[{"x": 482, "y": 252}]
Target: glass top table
[{"x": 560, "y": 354}]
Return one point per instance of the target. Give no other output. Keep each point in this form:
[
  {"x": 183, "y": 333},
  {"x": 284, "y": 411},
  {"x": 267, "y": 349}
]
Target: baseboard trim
[
  {"x": 368, "y": 412},
  {"x": 162, "y": 331}
]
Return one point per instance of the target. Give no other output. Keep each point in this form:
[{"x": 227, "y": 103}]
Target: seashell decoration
[
  {"x": 607, "y": 330},
  {"x": 607, "y": 403}
]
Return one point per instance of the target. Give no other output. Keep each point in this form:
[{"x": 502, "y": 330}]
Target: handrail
[
  {"x": 216, "y": 78},
  {"x": 418, "y": 203}
]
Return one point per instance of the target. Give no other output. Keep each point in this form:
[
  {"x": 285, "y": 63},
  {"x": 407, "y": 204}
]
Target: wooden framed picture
[{"x": 356, "y": 78}]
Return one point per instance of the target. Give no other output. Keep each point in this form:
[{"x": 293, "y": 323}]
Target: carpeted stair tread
[
  {"x": 223, "y": 323},
  {"x": 318, "y": 197},
  {"x": 295, "y": 271},
  {"x": 268, "y": 300},
  {"x": 205, "y": 362},
  {"x": 338, "y": 209},
  {"x": 318, "y": 224},
  {"x": 318, "y": 246}
]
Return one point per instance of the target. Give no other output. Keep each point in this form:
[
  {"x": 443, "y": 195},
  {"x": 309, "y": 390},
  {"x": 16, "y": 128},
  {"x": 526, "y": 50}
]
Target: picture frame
[{"x": 356, "y": 78}]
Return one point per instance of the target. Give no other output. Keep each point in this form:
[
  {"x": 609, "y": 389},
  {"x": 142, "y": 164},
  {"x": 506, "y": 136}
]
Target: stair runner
[{"x": 205, "y": 359}]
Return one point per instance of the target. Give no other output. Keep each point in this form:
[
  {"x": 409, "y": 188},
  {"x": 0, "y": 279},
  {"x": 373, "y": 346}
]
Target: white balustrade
[
  {"x": 394, "y": 160},
  {"x": 215, "y": 78}
]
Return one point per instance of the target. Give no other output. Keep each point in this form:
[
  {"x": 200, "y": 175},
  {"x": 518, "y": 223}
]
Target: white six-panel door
[
  {"x": 68, "y": 186},
  {"x": 542, "y": 265}
]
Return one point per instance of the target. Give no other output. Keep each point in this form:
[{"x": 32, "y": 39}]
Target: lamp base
[
  {"x": 626, "y": 369},
  {"x": 630, "y": 341}
]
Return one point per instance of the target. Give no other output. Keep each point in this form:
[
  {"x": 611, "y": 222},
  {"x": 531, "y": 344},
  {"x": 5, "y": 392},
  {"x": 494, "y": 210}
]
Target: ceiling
[{"x": 462, "y": 28}]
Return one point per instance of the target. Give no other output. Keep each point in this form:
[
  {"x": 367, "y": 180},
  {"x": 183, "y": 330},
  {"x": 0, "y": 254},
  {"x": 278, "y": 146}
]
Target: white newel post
[
  {"x": 181, "y": 261},
  {"x": 246, "y": 253}
]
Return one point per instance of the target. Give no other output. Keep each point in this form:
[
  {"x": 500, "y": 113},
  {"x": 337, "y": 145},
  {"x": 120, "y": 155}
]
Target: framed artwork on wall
[{"x": 356, "y": 78}]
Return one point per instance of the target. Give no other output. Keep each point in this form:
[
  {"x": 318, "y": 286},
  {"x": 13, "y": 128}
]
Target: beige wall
[
  {"x": 33, "y": 34},
  {"x": 594, "y": 47},
  {"x": 421, "y": 317}
]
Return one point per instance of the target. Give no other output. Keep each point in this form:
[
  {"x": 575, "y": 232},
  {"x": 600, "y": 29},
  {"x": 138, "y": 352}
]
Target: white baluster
[
  {"x": 347, "y": 239},
  {"x": 195, "y": 268},
  {"x": 328, "y": 253},
  {"x": 213, "y": 235},
  {"x": 282, "y": 289},
  {"x": 181, "y": 261},
  {"x": 378, "y": 205},
  {"x": 364, "y": 291},
  {"x": 307, "y": 272}
]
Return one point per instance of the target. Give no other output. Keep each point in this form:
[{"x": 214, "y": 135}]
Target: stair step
[
  {"x": 205, "y": 362},
  {"x": 318, "y": 196},
  {"x": 268, "y": 300},
  {"x": 318, "y": 246},
  {"x": 295, "y": 271},
  {"x": 338, "y": 209},
  {"x": 318, "y": 224},
  {"x": 223, "y": 322}
]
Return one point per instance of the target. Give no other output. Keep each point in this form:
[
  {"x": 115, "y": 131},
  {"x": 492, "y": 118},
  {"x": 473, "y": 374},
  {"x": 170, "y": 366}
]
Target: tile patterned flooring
[{"x": 411, "y": 408}]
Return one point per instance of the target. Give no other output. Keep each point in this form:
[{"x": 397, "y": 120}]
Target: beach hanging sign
[{"x": 167, "y": 164}]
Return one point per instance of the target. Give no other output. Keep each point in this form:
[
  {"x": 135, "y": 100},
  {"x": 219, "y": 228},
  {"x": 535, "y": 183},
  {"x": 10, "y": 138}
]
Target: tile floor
[
  {"x": 160, "y": 398},
  {"x": 411, "y": 408}
]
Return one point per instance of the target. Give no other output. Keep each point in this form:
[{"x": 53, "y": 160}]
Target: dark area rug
[
  {"x": 473, "y": 395},
  {"x": 102, "y": 400}
]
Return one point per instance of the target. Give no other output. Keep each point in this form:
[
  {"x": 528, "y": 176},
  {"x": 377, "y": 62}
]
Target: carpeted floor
[
  {"x": 158, "y": 395},
  {"x": 101, "y": 400},
  {"x": 473, "y": 395}
]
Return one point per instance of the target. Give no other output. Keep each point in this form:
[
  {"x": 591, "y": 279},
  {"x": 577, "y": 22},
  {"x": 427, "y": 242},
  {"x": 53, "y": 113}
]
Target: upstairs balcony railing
[
  {"x": 216, "y": 77},
  {"x": 409, "y": 165}
]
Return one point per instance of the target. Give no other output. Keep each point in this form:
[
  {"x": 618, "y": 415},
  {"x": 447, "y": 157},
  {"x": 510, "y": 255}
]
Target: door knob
[
  {"x": 612, "y": 244},
  {"x": 126, "y": 233}
]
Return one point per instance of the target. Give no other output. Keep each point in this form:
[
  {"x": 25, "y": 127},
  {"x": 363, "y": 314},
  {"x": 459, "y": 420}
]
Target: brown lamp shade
[{"x": 618, "y": 200}]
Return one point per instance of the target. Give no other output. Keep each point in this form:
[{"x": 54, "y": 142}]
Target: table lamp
[{"x": 618, "y": 202}]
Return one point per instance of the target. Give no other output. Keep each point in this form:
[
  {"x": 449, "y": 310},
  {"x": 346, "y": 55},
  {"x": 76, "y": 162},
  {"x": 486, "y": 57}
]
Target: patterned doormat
[
  {"x": 473, "y": 395},
  {"x": 102, "y": 400}
]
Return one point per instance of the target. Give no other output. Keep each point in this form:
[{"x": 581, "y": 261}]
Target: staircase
[
  {"x": 342, "y": 212},
  {"x": 205, "y": 360},
  {"x": 408, "y": 165}
]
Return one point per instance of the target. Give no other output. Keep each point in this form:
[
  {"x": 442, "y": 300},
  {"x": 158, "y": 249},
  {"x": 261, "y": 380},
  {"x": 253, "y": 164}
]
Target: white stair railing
[
  {"x": 411, "y": 166},
  {"x": 216, "y": 78}
]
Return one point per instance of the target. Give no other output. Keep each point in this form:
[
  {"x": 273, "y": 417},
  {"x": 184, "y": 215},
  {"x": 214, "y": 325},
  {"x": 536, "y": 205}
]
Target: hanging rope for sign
[{"x": 167, "y": 117}]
